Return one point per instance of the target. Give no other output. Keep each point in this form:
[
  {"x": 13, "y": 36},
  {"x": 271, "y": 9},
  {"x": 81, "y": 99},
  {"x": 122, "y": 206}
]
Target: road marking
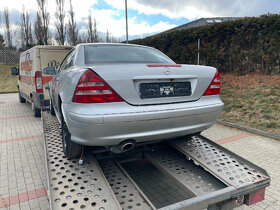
[
  {"x": 21, "y": 138},
  {"x": 22, "y": 197},
  {"x": 233, "y": 138},
  {"x": 14, "y": 117}
]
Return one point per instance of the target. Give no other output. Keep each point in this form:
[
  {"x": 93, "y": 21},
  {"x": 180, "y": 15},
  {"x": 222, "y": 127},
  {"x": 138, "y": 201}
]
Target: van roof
[{"x": 51, "y": 47}]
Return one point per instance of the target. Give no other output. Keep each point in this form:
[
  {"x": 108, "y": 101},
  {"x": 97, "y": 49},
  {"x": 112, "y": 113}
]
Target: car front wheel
[{"x": 70, "y": 148}]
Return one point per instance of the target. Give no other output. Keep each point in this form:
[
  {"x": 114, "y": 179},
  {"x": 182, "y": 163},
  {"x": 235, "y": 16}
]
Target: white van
[{"x": 32, "y": 85}]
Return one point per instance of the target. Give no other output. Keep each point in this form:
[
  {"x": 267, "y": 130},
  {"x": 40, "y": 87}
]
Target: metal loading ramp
[{"x": 191, "y": 172}]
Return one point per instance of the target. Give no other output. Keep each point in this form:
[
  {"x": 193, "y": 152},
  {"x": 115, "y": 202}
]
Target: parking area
[{"x": 23, "y": 183}]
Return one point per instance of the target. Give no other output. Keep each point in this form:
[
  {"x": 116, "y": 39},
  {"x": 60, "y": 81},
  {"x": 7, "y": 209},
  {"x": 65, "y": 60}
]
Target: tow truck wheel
[
  {"x": 70, "y": 148},
  {"x": 51, "y": 108},
  {"x": 36, "y": 111},
  {"x": 21, "y": 99}
]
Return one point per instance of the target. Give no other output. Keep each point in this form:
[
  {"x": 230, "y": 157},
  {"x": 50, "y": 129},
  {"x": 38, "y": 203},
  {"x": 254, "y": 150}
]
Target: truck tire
[
  {"x": 36, "y": 111},
  {"x": 51, "y": 108},
  {"x": 70, "y": 148},
  {"x": 21, "y": 99}
]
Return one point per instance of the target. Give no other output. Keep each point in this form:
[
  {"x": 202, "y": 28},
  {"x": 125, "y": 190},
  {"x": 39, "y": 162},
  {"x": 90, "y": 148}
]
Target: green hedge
[{"x": 247, "y": 45}]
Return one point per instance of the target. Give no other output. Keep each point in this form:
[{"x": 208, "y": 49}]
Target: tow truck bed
[{"x": 191, "y": 172}]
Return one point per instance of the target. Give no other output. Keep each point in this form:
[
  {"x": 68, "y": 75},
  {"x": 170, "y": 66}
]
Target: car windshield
[{"x": 123, "y": 54}]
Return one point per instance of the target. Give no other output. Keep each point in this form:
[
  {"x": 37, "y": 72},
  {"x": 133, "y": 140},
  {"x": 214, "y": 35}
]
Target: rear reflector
[
  {"x": 164, "y": 65},
  {"x": 92, "y": 89},
  {"x": 254, "y": 197},
  {"x": 214, "y": 87},
  {"x": 38, "y": 82}
]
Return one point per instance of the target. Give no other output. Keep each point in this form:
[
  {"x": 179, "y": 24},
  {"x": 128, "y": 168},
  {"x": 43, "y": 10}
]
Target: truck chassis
[{"x": 207, "y": 175}]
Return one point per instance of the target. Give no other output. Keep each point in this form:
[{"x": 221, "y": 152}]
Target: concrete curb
[{"x": 251, "y": 130}]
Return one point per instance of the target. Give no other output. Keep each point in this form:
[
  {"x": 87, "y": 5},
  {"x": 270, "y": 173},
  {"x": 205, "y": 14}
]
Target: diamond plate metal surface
[
  {"x": 125, "y": 191},
  {"x": 194, "y": 178},
  {"x": 225, "y": 165},
  {"x": 73, "y": 186}
]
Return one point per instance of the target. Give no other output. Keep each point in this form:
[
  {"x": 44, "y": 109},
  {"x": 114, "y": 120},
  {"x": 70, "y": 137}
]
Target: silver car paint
[{"x": 135, "y": 118}]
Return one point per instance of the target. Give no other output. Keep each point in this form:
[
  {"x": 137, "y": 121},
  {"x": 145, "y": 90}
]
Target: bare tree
[
  {"x": 2, "y": 41},
  {"x": 90, "y": 29},
  {"x": 60, "y": 26},
  {"x": 45, "y": 17},
  {"x": 95, "y": 34},
  {"x": 7, "y": 28},
  {"x": 72, "y": 27},
  {"x": 82, "y": 38},
  {"x": 108, "y": 39},
  {"x": 38, "y": 29},
  {"x": 114, "y": 39},
  {"x": 25, "y": 29}
]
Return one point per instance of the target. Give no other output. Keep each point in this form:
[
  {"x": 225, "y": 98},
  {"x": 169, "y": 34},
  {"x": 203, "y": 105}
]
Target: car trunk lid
[{"x": 147, "y": 84}]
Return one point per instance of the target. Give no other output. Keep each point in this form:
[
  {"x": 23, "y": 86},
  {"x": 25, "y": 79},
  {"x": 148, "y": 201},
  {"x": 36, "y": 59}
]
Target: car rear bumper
[{"x": 110, "y": 124}]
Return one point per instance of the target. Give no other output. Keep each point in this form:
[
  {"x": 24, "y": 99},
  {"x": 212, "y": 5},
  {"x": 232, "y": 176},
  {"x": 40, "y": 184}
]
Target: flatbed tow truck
[{"x": 191, "y": 172}]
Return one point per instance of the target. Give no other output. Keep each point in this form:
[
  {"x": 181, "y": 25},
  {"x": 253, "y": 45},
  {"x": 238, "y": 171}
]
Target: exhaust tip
[
  {"x": 123, "y": 146},
  {"x": 127, "y": 146}
]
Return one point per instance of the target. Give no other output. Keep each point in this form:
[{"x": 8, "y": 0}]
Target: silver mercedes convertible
[{"x": 120, "y": 95}]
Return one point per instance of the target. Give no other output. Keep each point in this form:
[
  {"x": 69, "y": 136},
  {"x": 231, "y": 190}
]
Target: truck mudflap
[
  {"x": 191, "y": 173},
  {"x": 39, "y": 102}
]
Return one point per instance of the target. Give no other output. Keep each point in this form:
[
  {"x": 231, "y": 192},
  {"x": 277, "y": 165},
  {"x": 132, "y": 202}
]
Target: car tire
[
  {"x": 51, "y": 108},
  {"x": 36, "y": 111},
  {"x": 70, "y": 148},
  {"x": 21, "y": 99}
]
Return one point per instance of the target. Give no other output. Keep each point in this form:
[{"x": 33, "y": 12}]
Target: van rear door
[{"x": 51, "y": 57}]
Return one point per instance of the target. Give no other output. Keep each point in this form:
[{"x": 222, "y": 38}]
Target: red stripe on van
[{"x": 31, "y": 79}]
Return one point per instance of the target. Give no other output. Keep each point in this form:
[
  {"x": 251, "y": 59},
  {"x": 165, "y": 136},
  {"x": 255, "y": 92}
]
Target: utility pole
[
  {"x": 198, "y": 47},
  {"x": 126, "y": 21}
]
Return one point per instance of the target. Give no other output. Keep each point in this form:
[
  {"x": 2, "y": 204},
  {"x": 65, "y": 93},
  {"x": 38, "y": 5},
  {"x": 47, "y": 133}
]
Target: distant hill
[{"x": 246, "y": 45}]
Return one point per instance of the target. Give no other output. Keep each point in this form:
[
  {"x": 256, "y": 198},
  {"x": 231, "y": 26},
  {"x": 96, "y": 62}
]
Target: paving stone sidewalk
[{"x": 23, "y": 178}]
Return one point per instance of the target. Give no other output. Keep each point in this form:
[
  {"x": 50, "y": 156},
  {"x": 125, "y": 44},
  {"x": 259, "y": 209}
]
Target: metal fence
[{"x": 8, "y": 56}]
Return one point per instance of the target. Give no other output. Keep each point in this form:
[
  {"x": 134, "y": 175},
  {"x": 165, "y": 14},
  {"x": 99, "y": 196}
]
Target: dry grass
[
  {"x": 252, "y": 100},
  {"x": 8, "y": 83}
]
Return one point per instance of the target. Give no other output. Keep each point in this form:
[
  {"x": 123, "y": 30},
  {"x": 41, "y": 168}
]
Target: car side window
[{"x": 68, "y": 61}]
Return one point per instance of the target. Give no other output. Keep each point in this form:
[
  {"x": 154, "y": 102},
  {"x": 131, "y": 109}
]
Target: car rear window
[{"x": 123, "y": 54}]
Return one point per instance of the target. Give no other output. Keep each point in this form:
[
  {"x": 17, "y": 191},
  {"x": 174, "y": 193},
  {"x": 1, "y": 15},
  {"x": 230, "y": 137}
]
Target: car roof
[{"x": 112, "y": 44}]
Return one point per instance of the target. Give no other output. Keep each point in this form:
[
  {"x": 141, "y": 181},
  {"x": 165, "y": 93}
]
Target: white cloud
[
  {"x": 173, "y": 9},
  {"x": 117, "y": 27},
  {"x": 179, "y": 9},
  {"x": 104, "y": 17}
]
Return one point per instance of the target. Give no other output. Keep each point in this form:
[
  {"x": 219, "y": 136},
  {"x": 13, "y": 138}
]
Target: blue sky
[{"x": 140, "y": 17}]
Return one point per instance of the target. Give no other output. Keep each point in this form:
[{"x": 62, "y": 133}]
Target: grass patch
[
  {"x": 8, "y": 83},
  {"x": 252, "y": 100}
]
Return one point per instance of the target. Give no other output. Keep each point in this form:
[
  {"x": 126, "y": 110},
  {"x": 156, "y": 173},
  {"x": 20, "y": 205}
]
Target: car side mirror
[
  {"x": 15, "y": 71},
  {"x": 49, "y": 70}
]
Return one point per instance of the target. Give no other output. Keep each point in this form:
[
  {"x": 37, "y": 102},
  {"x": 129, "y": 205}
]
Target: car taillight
[
  {"x": 38, "y": 82},
  {"x": 92, "y": 89},
  {"x": 214, "y": 87}
]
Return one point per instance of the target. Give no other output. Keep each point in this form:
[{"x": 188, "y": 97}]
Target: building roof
[{"x": 203, "y": 22}]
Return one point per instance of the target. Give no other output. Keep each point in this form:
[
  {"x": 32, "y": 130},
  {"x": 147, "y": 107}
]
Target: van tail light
[
  {"x": 38, "y": 82},
  {"x": 214, "y": 87},
  {"x": 92, "y": 89}
]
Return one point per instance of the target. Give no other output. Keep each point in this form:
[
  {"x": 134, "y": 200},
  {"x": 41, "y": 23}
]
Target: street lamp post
[{"x": 126, "y": 21}]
